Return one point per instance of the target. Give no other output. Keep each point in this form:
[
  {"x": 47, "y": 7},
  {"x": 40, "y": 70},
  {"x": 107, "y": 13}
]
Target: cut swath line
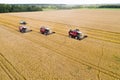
[{"x": 103, "y": 35}]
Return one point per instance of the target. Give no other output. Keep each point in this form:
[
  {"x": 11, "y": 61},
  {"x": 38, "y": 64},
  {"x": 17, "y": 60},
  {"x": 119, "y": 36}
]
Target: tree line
[
  {"x": 4, "y": 8},
  {"x": 109, "y": 6},
  {"x": 117, "y": 6}
]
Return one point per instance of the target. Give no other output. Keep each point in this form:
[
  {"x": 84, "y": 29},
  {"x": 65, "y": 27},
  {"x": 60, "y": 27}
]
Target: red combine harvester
[
  {"x": 76, "y": 34},
  {"x": 45, "y": 31},
  {"x": 23, "y": 28}
]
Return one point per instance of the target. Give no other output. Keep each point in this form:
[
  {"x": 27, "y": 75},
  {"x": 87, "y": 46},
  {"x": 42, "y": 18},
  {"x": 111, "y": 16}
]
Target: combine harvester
[
  {"x": 76, "y": 34},
  {"x": 23, "y": 27},
  {"x": 46, "y": 30}
]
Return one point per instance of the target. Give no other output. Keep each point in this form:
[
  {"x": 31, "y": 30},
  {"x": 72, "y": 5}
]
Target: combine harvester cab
[
  {"x": 23, "y": 28},
  {"x": 76, "y": 34},
  {"x": 46, "y": 31}
]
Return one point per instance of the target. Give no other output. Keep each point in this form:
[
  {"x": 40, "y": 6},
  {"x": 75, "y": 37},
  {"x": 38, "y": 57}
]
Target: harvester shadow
[
  {"x": 26, "y": 31},
  {"x": 81, "y": 38},
  {"x": 84, "y": 37},
  {"x": 48, "y": 34},
  {"x": 29, "y": 31}
]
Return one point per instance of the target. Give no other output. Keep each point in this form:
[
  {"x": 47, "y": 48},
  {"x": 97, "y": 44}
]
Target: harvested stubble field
[{"x": 32, "y": 56}]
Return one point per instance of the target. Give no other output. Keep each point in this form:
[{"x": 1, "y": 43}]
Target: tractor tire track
[
  {"x": 6, "y": 71},
  {"x": 60, "y": 52},
  {"x": 10, "y": 69}
]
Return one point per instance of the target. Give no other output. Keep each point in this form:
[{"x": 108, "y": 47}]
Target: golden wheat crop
[{"x": 33, "y": 56}]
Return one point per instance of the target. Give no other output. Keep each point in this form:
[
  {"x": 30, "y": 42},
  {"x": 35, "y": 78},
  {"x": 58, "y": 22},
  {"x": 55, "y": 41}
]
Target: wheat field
[{"x": 33, "y": 56}]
